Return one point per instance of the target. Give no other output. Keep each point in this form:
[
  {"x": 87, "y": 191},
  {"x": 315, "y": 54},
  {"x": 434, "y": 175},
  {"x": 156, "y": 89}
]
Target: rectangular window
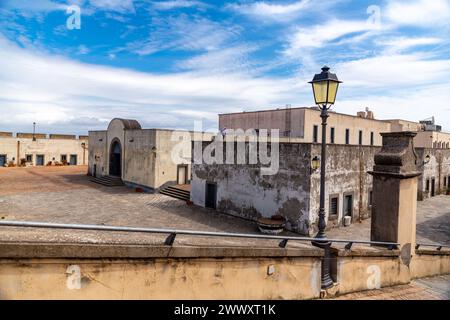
[
  {"x": 427, "y": 186},
  {"x": 347, "y": 136},
  {"x": 334, "y": 205},
  {"x": 370, "y": 198},
  {"x": 360, "y": 137},
  {"x": 315, "y": 133},
  {"x": 445, "y": 181},
  {"x": 29, "y": 158},
  {"x": 371, "y": 138},
  {"x": 63, "y": 158},
  {"x": 332, "y": 135}
]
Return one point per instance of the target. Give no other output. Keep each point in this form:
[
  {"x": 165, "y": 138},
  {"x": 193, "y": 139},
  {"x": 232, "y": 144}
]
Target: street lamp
[{"x": 325, "y": 86}]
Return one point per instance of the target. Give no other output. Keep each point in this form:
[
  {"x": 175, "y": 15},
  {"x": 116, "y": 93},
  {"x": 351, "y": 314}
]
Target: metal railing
[
  {"x": 437, "y": 246},
  {"x": 172, "y": 233}
]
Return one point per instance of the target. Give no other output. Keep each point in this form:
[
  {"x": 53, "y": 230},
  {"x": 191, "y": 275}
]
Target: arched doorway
[{"x": 115, "y": 159}]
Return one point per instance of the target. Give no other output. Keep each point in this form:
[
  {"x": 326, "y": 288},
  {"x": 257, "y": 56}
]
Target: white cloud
[
  {"x": 184, "y": 33},
  {"x": 223, "y": 60},
  {"x": 55, "y": 90},
  {"x": 320, "y": 35},
  {"x": 176, "y": 4},
  {"x": 267, "y": 10},
  {"x": 398, "y": 44},
  {"x": 394, "y": 71},
  {"x": 422, "y": 13}
]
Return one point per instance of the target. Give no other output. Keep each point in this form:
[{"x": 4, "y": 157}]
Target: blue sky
[{"x": 168, "y": 63}]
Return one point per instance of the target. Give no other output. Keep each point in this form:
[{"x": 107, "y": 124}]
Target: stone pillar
[{"x": 394, "y": 195}]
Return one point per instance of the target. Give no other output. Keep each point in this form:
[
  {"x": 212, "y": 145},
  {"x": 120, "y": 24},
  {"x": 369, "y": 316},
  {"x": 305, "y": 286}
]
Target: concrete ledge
[
  {"x": 369, "y": 252},
  {"x": 120, "y": 251},
  {"x": 433, "y": 252}
]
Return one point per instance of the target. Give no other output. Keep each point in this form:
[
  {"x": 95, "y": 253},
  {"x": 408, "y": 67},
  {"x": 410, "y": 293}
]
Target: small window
[
  {"x": 370, "y": 199},
  {"x": 347, "y": 136},
  {"x": 315, "y": 133},
  {"x": 29, "y": 158},
  {"x": 64, "y": 158},
  {"x": 445, "y": 181},
  {"x": 427, "y": 186},
  {"x": 371, "y": 138},
  {"x": 360, "y": 137},
  {"x": 334, "y": 205},
  {"x": 332, "y": 135}
]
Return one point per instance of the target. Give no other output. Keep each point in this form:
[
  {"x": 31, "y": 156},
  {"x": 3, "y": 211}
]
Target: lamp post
[
  {"x": 325, "y": 86},
  {"x": 34, "y": 131}
]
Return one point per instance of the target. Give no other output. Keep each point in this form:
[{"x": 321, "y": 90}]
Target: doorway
[
  {"x": 211, "y": 195},
  {"x": 39, "y": 159},
  {"x": 2, "y": 160},
  {"x": 73, "y": 160},
  {"x": 115, "y": 159},
  {"x": 182, "y": 170},
  {"x": 433, "y": 183},
  {"x": 348, "y": 205}
]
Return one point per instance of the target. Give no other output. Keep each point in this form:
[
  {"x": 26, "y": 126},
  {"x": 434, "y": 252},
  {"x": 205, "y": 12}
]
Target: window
[
  {"x": 371, "y": 138},
  {"x": 360, "y": 137},
  {"x": 347, "y": 136},
  {"x": 370, "y": 199},
  {"x": 332, "y": 135},
  {"x": 445, "y": 181},
  {"x": 63, "y": 158},
  {"x": 334, "y": 205},
  {"x": 315, "y": 133},
  {"x": 427, "y": 186},
  {"x": 29, "y": 157}
]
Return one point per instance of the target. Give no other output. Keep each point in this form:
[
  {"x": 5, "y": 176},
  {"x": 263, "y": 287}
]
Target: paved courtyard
[
  {"x": 434, "y": 288},
  {"x": 65, "y": 195}
]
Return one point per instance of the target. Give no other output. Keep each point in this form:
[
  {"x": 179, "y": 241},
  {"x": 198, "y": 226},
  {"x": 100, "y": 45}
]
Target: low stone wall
[
  {"x": 86, "y": 271},
  {"x": 367, "y": 269},
  {"x": 143, "y": 272},
  {"x": 427, "y": 263}
]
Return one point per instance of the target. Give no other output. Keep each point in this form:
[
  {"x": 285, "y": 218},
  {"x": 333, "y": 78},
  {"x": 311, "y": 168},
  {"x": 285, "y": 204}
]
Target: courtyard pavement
[
  {"x": 65, "y": 195},
  {"x": 433, "y": 288}
]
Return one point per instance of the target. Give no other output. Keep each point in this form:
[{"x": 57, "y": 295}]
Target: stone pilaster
[{"x": 394, "y": 195}]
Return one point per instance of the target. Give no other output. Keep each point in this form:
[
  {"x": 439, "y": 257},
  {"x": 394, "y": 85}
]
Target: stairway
[
  {"x": 109, "y": 181},
  {"x": 175, "y": 192}
]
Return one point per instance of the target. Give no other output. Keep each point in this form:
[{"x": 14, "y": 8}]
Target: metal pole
[
  {"x": 321, "y": 242},
  {"x": 34, "y": 131}
]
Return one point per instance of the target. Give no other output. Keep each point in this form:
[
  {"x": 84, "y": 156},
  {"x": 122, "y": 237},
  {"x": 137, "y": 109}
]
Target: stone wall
[
  {"x": 437, "y": 168},
  {"x": 293, "y": 191}
]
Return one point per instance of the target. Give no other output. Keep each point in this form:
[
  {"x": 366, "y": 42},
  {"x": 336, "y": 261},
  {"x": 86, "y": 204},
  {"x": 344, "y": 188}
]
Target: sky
[{"x": 72, "y": 66}]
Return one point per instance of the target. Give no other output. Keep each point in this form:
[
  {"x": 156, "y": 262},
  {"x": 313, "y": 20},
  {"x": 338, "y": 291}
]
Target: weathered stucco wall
[
  {"x": 243, "y": 191},
  {"x": 162, "y": 273},
  {"x": 139, "y": 159},
  {"x": 428, "y": 263},
  {"x": 346, "y": 174},
  {"x": 365, "y": 270},
  {"x": 437, "y": 168},
  {"x": 97, "y": 153},
  {"x": 16, "y": 149}
]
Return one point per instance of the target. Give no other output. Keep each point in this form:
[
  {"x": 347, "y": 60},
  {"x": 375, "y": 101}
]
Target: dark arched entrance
[{"x": 115, "y": 159}]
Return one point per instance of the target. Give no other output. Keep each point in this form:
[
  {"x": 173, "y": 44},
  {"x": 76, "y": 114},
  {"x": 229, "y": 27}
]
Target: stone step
[
  {"x": 176, "y": 193},
  {"x": 108, "y": 181}
]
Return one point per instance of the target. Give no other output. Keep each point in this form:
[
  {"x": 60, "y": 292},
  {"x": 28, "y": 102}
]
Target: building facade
[
  {"x": 304, "y": 125},
  {"x": 294, "y": 190},
  {"x": 26, "y": 149},
  {"x": 140, "y": 157}
]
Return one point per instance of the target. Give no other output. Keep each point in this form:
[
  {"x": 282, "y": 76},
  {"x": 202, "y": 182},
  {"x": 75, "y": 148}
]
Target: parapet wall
[{"x": 86, "y": 271}]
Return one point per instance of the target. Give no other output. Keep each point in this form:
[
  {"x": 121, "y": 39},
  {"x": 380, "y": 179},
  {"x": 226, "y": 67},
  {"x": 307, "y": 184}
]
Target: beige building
[
  {"x": 26, "y": 149},
  {"x": 304, "y": 125},
  {"x": 147, "y": 158}
]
